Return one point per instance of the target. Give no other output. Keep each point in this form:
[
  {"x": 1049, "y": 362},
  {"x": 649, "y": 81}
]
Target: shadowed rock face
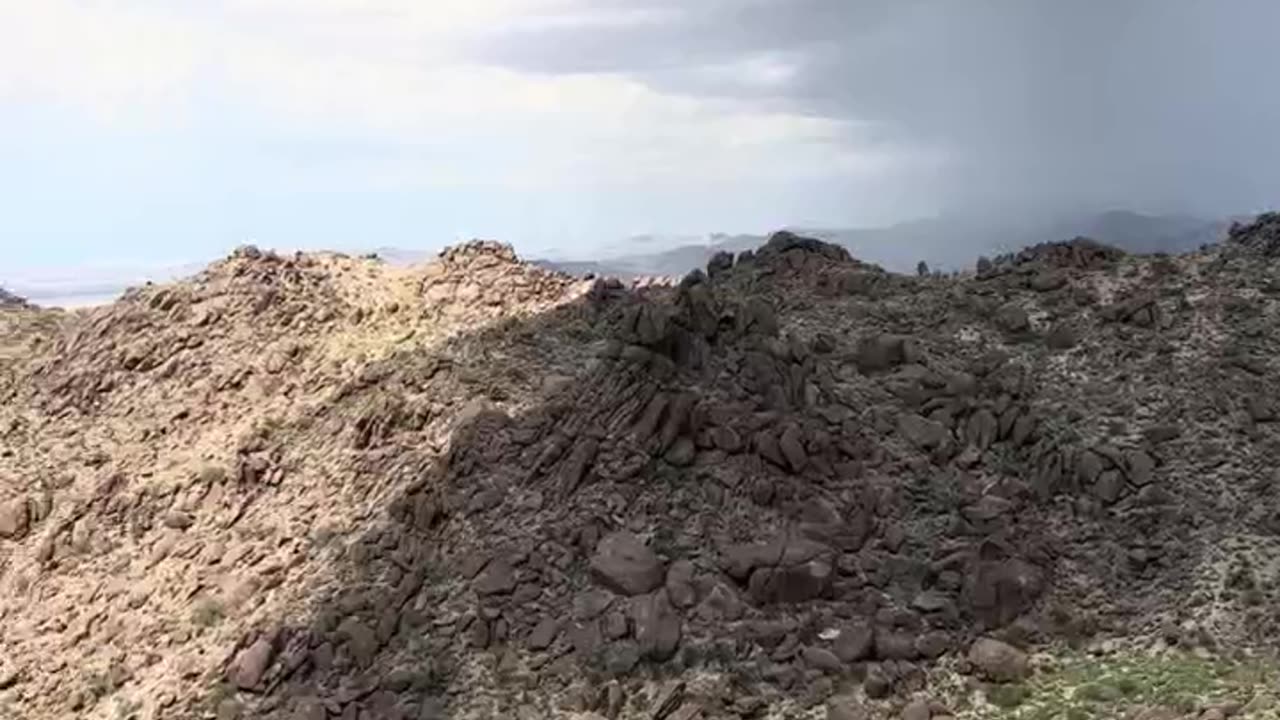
[{"x": 315, "y": 486}]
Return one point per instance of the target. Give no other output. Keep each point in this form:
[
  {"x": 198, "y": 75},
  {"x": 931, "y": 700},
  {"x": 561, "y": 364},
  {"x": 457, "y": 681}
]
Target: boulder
[
  {"x": 251, "y": 664},
  {"x": 999, "y": 661},
  {"x": 854, "y": 643},
  {"x": 624, "y": 564},
  {"x": 658, "y": 626},
  {"x": 792, "y": 446},
  {"x": 923, "y": 433},
  {"x": 15, "y": 518},
  {"x": 883, "y": 352}
]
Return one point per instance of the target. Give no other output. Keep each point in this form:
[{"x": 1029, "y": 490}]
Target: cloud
[
  {"x": 1034, "y": 103},
  {"x": 616, "y": 116},
  {"x": 401, "y": 72}
]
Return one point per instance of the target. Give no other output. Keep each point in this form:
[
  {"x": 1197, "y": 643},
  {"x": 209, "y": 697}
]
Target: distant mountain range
[{"x": 945, "y": 243}]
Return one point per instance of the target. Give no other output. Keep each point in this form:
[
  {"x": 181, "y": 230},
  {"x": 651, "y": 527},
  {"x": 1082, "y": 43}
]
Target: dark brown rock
[
  {"x": 726, "y": 439},
  {"x": 922, "y": 433},
  {"x": 791, "y": 444},
  {"x": 933, "y": 644},
  {"x": 1062, "y": 336},
  {"x": 998, "y": 661},
  {"x": 893, "y": 645},
  {"x": 882, "y": 352},
  {"x": 877, "y": 684},
  {"x": 855, "y": 642},
  {"x": 1109, "y": 486},
  {"x": 497, "y": 578},
  {"x": 680, "y": 584},
  {"x": 624, "y": 564},
  {"x": 822, "y": 659},
  {"x": 792, "y": 583},
  {"x": 621, "y": 657},
  {"x": 251, "y": 664},
  {"x": 721, "y": 604},
  {"x": 658, "y": 626},
  {"x": 1158, "y": 434},
  {"x": 981, "y": 429},
  {"x": 1013, "y": 319},
  {"x": 767, "y": 446},
  {"x": 682, "y": 452},
  {"x": 998, "y": 591},
  {"x": 1141, "y": 467},
  {"x": 614, "y": 625},
  {"x": 544, "y": 633}
]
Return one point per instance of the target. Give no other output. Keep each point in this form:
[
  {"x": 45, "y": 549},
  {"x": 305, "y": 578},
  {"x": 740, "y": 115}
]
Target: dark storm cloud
[{"x": 1039, "y": 104}]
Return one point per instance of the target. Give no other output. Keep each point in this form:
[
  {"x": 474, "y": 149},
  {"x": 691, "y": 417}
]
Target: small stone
[
  {"x": 1108, "y": 487},
  {"x": 1047, "y": 280},
  {"x": 877, "y": 683},
  {"x": 822, "y": 659},
  {"x": 252, "y": 664},
  {"x": 1158, "y": 434},
  {"x": 721, "y": 603},
  {"x": 543, "y": 634},
  {"x": 623, "y": 563},
  {"x": 178, "y": 520},
  {"x": 916, "y": 710},
  {"x": 881, "y": 352},
  {"x": 854, "y": 643},
  {"x": 999, "y": 661},
  {"x": 892, "y": 645},
  {"x": 933, "y": 644},
  {"x": 497, "y": 578},
  {"x": 924, "y": 434},
  {"x": 682, "y": 452},
  {"x": 361, "y": 641},
  {"x": 1013, "y": 319},
  {"x": 15, "y": 518},
  {"x": 657, "y": 626},
  {"x": 792, "y": 446},
  {"x": 621, "y": 658},
  {"x": 1062, "y": 336},
  {"x": 846, "y": 708},
  {"x": 1141, "y": 467},
  {"x": 680, "y": 584},
  {"x": 1260, "y": 703},
  {"x": 726, "y": 439},
  {"x": 614, "y": 625}
]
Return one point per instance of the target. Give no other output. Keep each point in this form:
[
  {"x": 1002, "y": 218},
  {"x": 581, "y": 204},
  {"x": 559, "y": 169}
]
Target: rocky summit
[{"x": 796, "y": 485}]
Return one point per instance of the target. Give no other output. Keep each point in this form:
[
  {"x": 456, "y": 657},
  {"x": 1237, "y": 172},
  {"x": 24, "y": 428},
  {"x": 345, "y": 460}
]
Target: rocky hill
[
  {"x": 9, "y": 300},
  {"x": 793, "y": 485}
]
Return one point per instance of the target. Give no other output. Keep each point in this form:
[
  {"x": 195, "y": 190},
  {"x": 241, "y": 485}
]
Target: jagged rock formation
[
  {"x": 319, "y": 487},
  {"x": 8, "y": 299}
]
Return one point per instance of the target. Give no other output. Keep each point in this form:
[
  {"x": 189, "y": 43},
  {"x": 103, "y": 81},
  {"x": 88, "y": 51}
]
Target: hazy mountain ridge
[{"x": 945, "y": 243}]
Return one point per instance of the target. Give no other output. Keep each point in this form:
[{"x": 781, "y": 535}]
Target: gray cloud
[{"x": 1038, "y": 104}]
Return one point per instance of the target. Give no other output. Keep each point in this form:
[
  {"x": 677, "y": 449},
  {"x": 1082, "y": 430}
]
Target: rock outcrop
[{"x": 318, "y": 486}]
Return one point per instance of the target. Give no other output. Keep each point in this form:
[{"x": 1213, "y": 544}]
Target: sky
[{"x": 151, "y": 132}]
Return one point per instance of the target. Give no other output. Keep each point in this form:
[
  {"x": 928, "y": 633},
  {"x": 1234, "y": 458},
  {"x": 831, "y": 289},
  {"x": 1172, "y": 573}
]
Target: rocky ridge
[
  {"x": 319, "y": 487},
  {"x": 8, "y": 299}
]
